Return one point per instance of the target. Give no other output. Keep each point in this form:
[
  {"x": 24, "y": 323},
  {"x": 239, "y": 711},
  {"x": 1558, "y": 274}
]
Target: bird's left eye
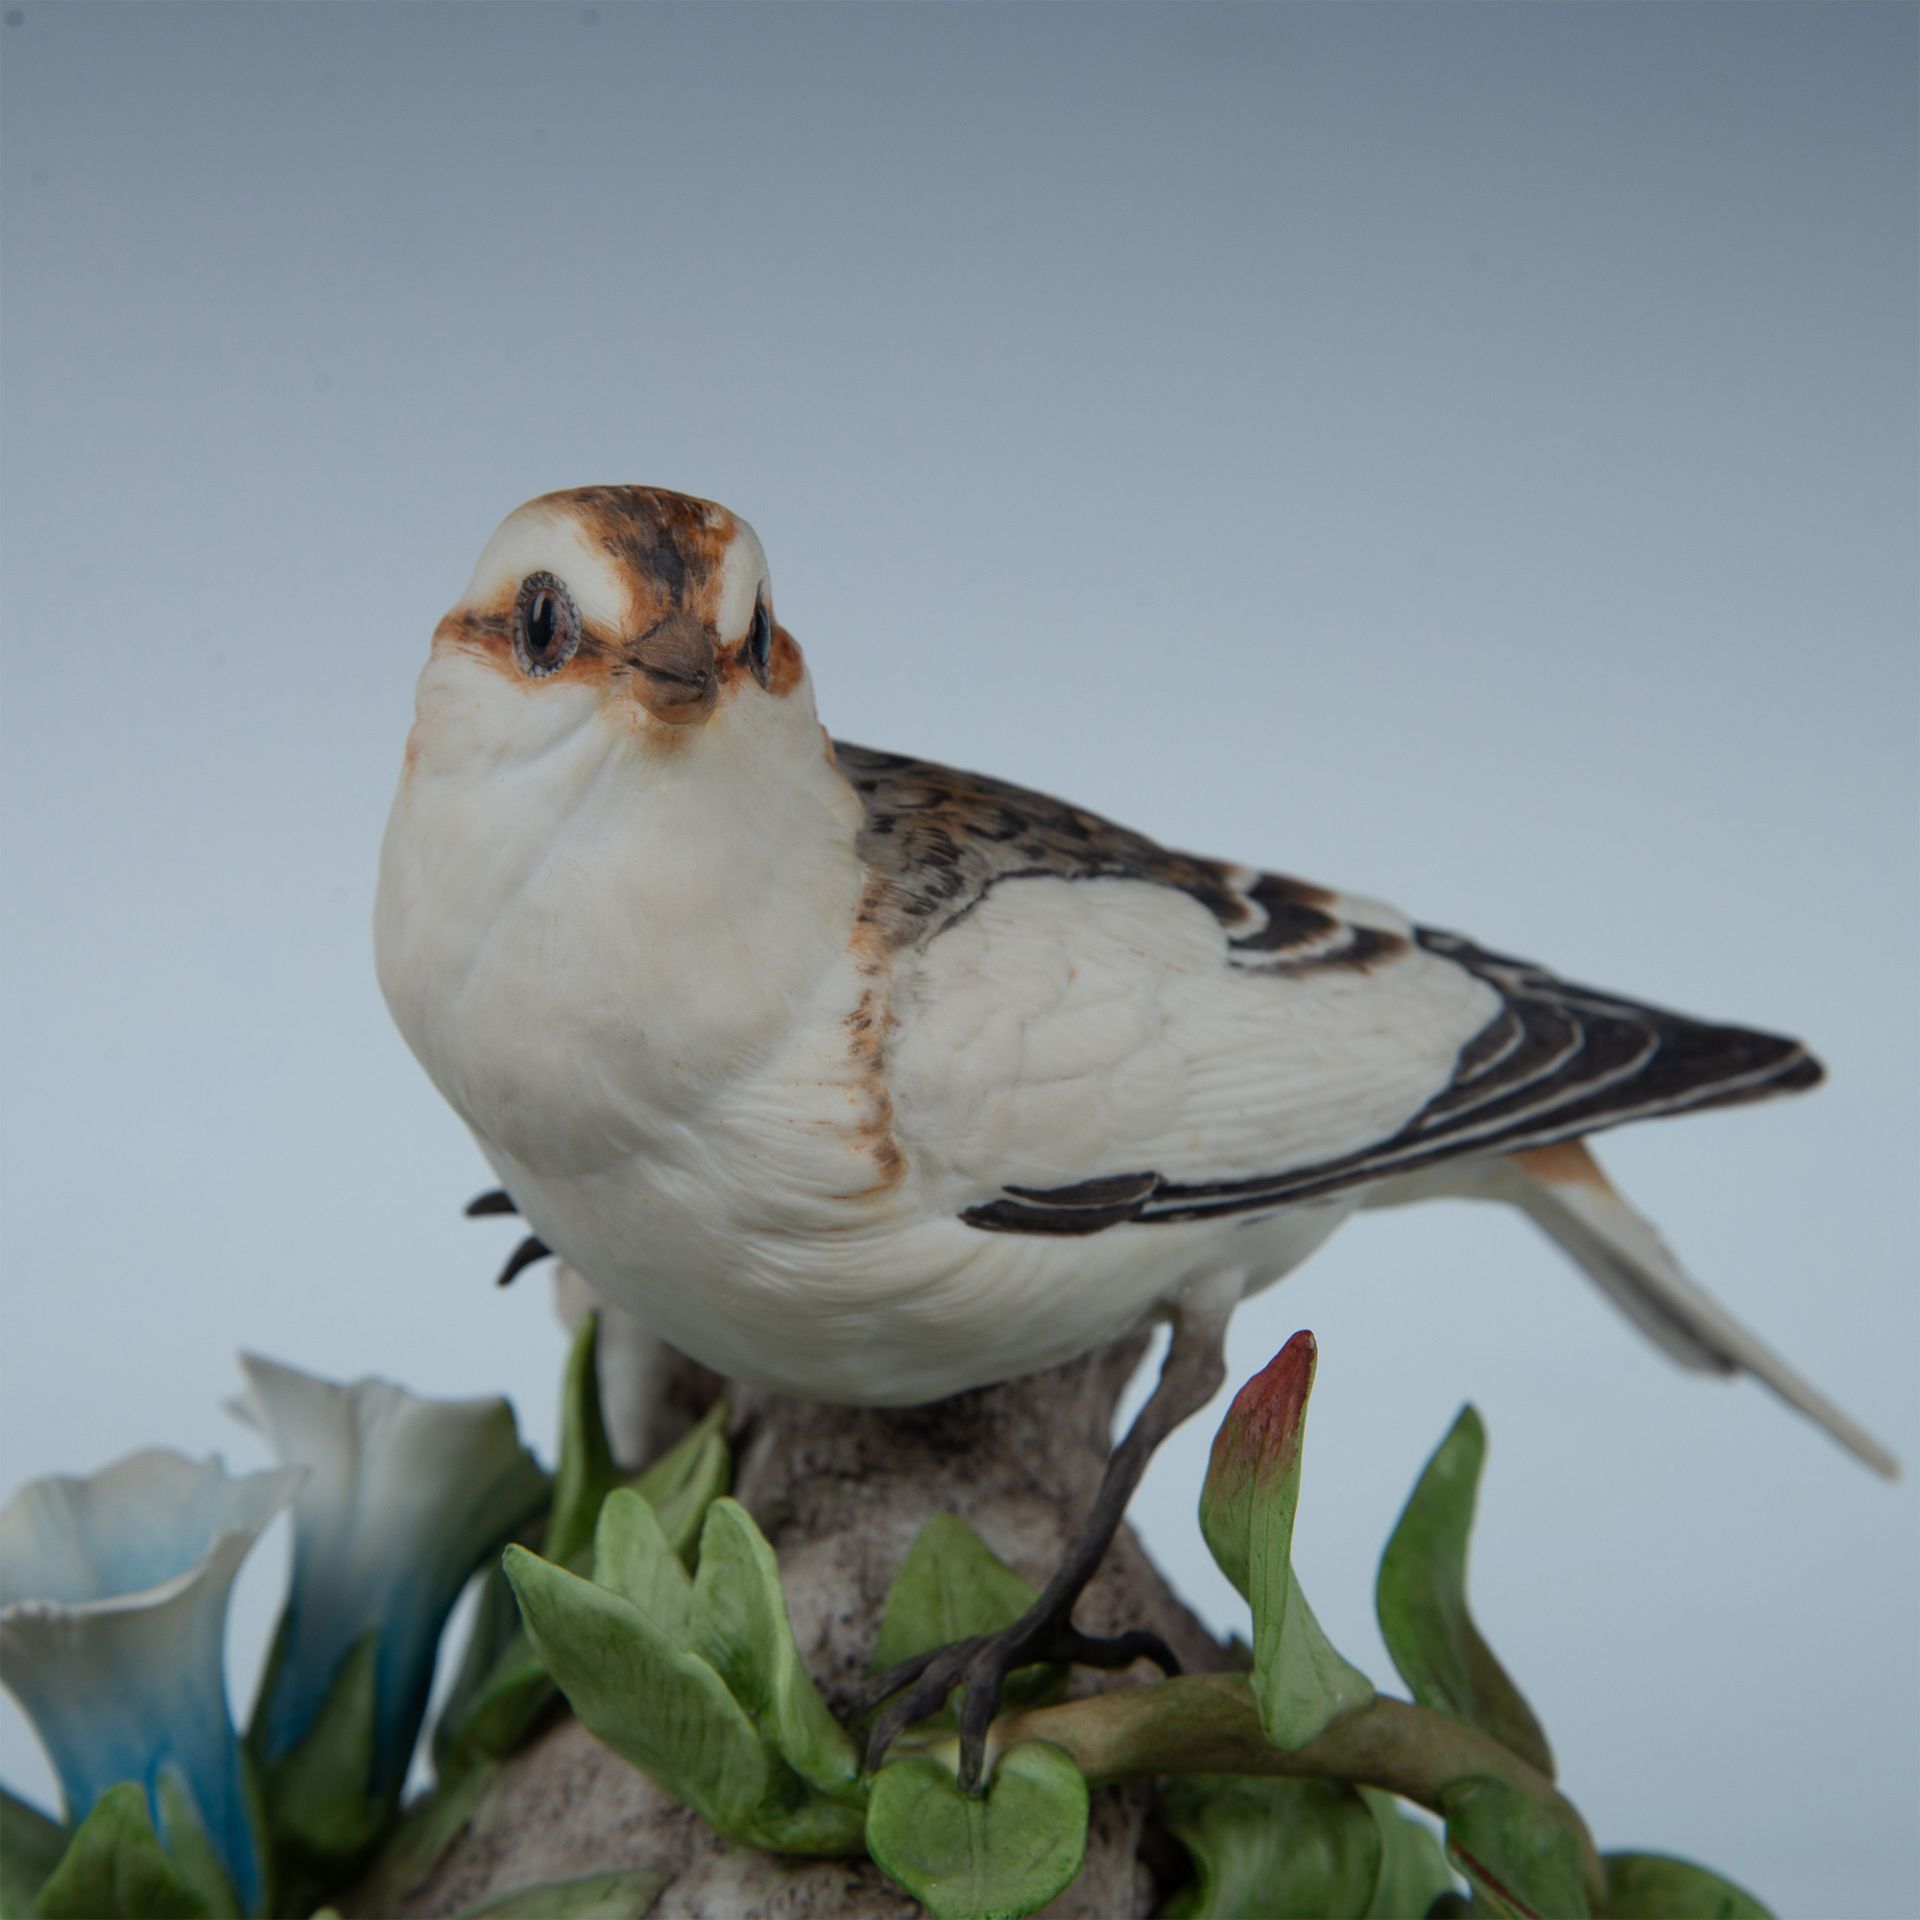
[
  {"x": 546, "y": 626},
  {"x": 760, "y": 640}
]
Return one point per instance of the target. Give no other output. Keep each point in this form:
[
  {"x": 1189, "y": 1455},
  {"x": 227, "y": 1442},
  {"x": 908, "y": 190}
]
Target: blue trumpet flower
[
  {"x": 404, "y": 1498},
  {"x": 113, "y": 1617}
]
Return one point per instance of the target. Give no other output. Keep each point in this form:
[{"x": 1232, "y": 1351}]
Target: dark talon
[
  {"x": 939, "y": 1672},
  {"x": 879, "y": 1691},
  {"x": 1120, "y": 1651},
  {"x": 498, "y": 1200},
  {"x": 918, "y": 1688},
  {"x": 529, "y": 1250}
]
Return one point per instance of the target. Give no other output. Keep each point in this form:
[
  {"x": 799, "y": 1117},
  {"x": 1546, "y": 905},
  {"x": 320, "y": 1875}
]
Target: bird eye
[
  {"x": 760, "y": 640},
  {"x": 546, "y": 626}
]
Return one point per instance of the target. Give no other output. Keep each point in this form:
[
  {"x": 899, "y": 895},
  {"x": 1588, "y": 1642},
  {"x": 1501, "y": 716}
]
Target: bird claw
[
  {"x": 919, "y": 1688},
  {"x": 529, "y": 1250}
]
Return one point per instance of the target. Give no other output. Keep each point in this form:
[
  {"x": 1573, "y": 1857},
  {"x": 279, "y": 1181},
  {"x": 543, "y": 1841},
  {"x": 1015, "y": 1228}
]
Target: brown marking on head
[
  {"x": 664, "y": 631},
  {"x": 1566, "y": 1163},
  {"x": 670, "y": 548},
  {"x": 784, "y": 664},
  {"x": 487, "y": 634}
]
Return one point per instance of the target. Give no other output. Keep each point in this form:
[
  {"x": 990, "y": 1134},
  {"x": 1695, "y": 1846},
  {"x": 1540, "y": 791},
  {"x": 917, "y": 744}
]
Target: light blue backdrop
[{"x": 1466, "y": 454}]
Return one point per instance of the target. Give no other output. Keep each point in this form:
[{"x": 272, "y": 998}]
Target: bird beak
[{"x": 675, "y": 669}]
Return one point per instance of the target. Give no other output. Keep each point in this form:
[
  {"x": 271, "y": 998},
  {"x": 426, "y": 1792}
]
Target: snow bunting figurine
[{"x": 866, "y": 1080}]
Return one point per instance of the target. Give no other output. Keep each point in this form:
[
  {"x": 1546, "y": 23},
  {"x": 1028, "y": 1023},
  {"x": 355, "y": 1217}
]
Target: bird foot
[{"x": 918, "y": 1688}]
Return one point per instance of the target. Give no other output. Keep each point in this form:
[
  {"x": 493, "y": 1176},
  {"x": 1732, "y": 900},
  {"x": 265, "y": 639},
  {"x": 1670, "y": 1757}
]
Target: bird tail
[{"x": 1562, "y": 1190}]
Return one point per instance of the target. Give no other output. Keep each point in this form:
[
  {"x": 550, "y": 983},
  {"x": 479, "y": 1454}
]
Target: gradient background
[{"x": 1464, "y": 453}]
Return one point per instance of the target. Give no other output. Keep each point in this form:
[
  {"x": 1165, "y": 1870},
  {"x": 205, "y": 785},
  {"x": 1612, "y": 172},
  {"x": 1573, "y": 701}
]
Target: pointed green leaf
[
  {"x": 598, "y": 1896},
  {"x": 1413, "y": 1867},
  {"x": 1421, "y": 1599},
  {"x": 116, "y": 1869},
  {"x": 1247, "y": 1506},
  {"x": 633, "y": 1557},
  {"x": 30, "y": 1848},
  {"x": 316, "y": 1796},
  {"x": 496, "y": 1648},
  {"x": 503, "y": 1689},
  {"x": 1520, "y": 1855},
  {"x": 507, "y": 1708},
  {"x": 1273, "y": 1849},
  {"x": 743, "y": 1631},
  {"x": 952, "y": 1586},
  {"x": 194, "y": 1855},
  {"x": 666, "y": 1711},
  {"x": 688, "y": 1478},
  {"x": 656, "y": 1705},
  {"x": 587, "y": 1473},
  {"x": 1653, "y": 1886},
  {"x": 991, "y": 1858}
]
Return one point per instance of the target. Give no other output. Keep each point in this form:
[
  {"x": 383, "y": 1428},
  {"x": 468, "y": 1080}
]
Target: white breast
[{"x": 586, "y": 945}]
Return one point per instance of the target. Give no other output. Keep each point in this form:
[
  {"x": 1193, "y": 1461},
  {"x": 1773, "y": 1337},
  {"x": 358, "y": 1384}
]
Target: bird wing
[{"x": 1092, "y": 1029}]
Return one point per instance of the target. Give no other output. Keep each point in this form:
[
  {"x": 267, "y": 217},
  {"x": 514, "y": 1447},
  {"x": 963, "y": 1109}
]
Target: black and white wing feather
[{"x": 1097, "y": 1031}]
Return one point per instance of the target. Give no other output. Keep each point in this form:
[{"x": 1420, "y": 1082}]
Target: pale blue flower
[
  {"x": 113, "y": 1618},
  {"x": 404, "y": 1498}
]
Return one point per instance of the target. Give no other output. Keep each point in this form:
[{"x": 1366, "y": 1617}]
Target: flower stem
[{"x": 1207, "y": 1723}]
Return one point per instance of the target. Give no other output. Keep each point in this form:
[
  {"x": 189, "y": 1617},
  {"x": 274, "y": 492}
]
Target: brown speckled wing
[{"x": 937, "y": 841}]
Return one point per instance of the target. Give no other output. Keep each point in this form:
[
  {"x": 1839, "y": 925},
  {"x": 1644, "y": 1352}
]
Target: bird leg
[
  {"x": 1191, "y": 1373},
  {"x": 532, "y": 1248}
]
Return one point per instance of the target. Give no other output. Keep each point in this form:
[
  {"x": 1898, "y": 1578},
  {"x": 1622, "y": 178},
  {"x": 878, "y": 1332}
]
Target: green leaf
[
  {"x": 1301, "y": 1685},
  {"x": 688, "y": 1478},
  {"x": 655, "y": 1704},
  {"x": 30, "y": 1848},
  {"x": 507, "y": 1708},
  {"x": 743, "y": 1631},
  {"x": 1273, "y": 1849},
  {"x": 1653, "y": 1886},
  {"x": 1421, "y": 1598},
  {"x": 633, "y": 1557},
  {"x": 1521, "y": 1855},
  {"x": 953, "y": 1586},
  {"x": 116, "y": 1869},
  {"x": 500, "y": 1689},
  {"x": 991, "y": 1858},
  {"x": 666, "y": 1711},
  {"x": 599, "y": 1896},
  {"x": 587, "y": 1473},
  {"x": 503, "y": 1689},
  {"x": 194, "y": 1855},
  {"x": 317, "y": 1805},
  {"x": 1413, "y": 1867}
]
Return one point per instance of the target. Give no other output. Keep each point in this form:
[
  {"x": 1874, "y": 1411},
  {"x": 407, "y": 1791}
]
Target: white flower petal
[{"x": 113, "y": 1610}]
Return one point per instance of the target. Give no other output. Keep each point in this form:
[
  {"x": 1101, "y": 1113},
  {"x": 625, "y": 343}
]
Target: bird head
[{"x": 644, "y": 611}]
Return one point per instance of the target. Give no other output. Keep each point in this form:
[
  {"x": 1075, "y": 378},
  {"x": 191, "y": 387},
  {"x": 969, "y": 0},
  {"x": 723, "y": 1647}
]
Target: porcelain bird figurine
[{"x": 870, "y": 1081}]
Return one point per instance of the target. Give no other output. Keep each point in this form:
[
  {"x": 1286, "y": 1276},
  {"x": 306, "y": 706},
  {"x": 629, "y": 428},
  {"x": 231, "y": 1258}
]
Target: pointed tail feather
[{"x": 1563, "y": 1191}]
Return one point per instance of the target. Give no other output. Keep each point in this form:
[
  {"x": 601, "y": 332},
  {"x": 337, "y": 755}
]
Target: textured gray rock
[{"x": 840, "y": 1492}]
